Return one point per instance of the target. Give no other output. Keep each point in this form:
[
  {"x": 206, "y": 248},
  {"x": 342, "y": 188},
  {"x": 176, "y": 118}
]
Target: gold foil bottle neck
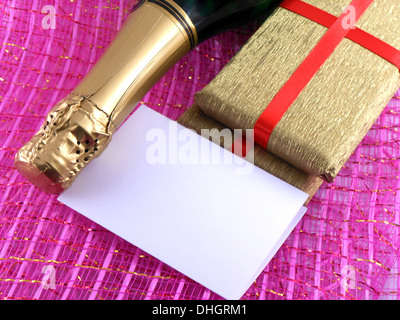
[
  {"x": 74, "y": 132},
  {"x": 79, "y": 127}
]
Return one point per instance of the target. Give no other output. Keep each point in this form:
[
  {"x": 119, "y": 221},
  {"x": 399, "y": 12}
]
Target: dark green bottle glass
[{"x": 212, "y": 17}]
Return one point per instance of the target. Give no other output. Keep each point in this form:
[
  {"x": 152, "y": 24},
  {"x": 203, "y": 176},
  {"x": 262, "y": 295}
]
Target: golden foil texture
[
  {"x": 337, "y": 108},
  {"x": 195, "y": 119},
  {"x": 73, "y": 134}
]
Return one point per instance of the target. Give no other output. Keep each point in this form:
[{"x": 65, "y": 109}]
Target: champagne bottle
[{"x": 156, "y": 34}]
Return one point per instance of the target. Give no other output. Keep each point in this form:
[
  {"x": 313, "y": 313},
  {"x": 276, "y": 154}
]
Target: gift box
[
  {"x": 195, "y": 119},
  {"x": 336, "y": 107}
]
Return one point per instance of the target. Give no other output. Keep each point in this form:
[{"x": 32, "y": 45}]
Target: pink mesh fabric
[{"x": 344, "y": 247}]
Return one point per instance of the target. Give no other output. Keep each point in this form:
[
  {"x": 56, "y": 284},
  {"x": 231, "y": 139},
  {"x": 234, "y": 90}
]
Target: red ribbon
[
  {"x": 306, "y": 71},
  {"x": 357, "y": 35}
]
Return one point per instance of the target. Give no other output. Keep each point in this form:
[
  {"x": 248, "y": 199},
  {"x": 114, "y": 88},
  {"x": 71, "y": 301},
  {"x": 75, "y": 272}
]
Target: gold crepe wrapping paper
[
  {"x": 334, "y": 112},
  {"x": 195, "y": 119}
]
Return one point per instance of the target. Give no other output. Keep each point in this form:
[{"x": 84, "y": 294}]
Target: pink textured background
[{"x": 353, "y": 222}]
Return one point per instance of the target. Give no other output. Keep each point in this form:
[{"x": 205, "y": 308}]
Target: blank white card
[{"x": 188, "y": 202}]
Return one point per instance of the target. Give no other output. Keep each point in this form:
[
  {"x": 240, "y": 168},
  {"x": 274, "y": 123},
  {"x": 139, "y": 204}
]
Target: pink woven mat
[{"x": 344, "y": 247}]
